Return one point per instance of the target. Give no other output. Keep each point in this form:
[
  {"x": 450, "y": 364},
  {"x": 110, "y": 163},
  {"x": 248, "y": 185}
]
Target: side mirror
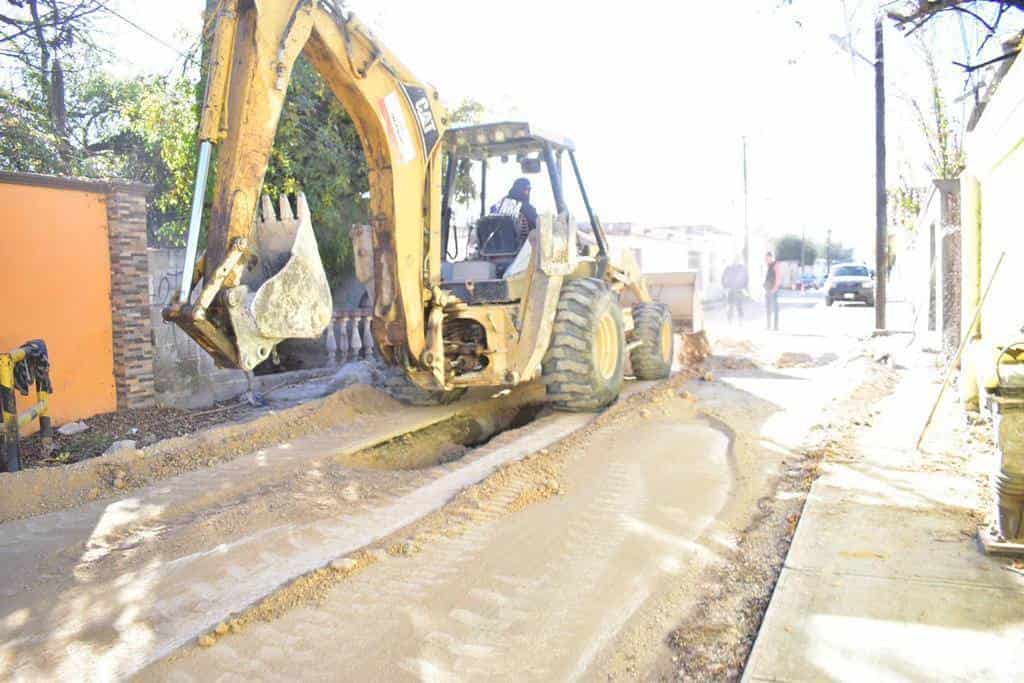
[{"x": 529, "y": 165}]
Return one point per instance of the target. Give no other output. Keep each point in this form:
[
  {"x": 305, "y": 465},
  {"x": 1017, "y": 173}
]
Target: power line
[{"x": 145, "y": 32}]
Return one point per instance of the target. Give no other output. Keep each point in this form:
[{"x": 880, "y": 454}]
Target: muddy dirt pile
[
  {"x": 791, "y": 359},
  {"x": 35, "y": 491},
  {"x": 695, "y": 349}
]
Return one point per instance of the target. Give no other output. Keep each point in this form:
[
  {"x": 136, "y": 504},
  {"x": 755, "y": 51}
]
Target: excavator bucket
[{"x": 286, "y": 295}]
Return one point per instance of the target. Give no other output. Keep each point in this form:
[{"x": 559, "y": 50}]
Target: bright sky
[{"x": 657, "y": 96}]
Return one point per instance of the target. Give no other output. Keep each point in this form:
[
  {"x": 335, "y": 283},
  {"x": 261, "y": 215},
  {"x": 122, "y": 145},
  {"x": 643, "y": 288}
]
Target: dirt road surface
[
  {"x": 481, "y": 542},
  {"x": 540, "y": 593}
]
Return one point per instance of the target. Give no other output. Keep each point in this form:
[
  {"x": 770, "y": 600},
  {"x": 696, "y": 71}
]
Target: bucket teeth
[
  {"x": 284, "y": 212},
  {"x": 267, "y": 209},
  {"x": 286, "y": 208},
  {"x": 303, "y": 207}
]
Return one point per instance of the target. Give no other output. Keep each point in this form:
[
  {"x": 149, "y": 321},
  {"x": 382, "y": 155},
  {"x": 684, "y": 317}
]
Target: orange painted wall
[{"x": 55, "y": 285}]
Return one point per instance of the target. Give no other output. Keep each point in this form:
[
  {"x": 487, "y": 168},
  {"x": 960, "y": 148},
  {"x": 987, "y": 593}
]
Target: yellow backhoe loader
[{"x": 549, "y": 305}]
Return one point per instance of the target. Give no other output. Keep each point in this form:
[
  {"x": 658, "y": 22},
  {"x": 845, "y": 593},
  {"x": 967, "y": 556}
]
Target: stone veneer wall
[{"x": 129, "y": 295}]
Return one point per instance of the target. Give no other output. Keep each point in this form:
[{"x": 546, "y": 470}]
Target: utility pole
[
  {"x": 746, "y": 215},
  {"x": 828, "y": 252},
  {"x": 803, "y": 249},
  {"x": 881, "y": 238}
]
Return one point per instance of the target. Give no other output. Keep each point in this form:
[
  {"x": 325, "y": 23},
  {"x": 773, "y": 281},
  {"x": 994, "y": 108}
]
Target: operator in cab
[{"x": 517, "y": 203}]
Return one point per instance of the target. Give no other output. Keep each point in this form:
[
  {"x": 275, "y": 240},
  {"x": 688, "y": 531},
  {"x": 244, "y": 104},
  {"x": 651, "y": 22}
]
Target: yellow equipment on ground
[
  {"x": 507, "y": 313},
  {"x": 27, "y": 365}
]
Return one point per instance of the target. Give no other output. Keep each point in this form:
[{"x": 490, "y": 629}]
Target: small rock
[
  {"x": 221, "y": 629},
  {"x": 93, "y": 494},
  {"x": 644, "y": 412},
  {"x": 345, "y": 564},
  {"x": 708, "y": 376},
  {"x": 236, "y": 626},
  {"x": 121, "y": 445},
  {"x": 119, "y": 483},
  {"x": 206, "y": 640},
  {"x": 543, "y": 451},
  {"x": 350, "y": 492},
  {"x": 72, "y": 428}
]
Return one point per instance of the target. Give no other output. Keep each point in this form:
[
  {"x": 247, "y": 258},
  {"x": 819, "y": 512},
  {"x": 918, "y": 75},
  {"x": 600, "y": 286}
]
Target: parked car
[
  {"x": 807, "y": 281},
  {"x": 850, "y": 282}
]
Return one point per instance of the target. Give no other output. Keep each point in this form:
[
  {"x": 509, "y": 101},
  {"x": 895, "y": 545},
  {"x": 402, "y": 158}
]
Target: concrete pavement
[{"x": 884, "y": 580}]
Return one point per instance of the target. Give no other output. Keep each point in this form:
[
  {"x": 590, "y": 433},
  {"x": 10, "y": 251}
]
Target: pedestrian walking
[
  {"x": 772, "y": 282},
  {"x": 735, "y": 281}
]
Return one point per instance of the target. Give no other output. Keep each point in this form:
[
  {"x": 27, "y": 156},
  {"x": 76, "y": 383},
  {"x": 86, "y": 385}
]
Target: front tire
[
  {"x": 828, "y": 301},
  {"x": 586, "y": 359},
  {"x": 652, "y": 327}
]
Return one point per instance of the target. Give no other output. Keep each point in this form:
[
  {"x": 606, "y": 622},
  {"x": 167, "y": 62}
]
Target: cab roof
[{"x": 491, "y": 139}]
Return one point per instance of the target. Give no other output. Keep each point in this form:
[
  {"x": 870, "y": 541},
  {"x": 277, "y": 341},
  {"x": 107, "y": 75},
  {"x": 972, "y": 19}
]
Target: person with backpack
[{"x": 772, "y": 282}]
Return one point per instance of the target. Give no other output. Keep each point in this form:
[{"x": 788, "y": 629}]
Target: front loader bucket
[
  {"x": 286, "y": 295},
  {"x": 680, "y": 291}
]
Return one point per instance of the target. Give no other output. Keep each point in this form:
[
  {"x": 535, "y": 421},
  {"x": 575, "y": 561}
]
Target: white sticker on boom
[{"x": 394, "y": 118}]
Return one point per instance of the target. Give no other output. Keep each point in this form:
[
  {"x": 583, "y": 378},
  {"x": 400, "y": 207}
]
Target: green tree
[
  {"x": 57, "y": 110},
  {"x": 163, "y": 117},
  {"x": 788, "y": 248},
  {"x": 465, "y": 191},
  {"x": 81, "y": 121},
  {"x": 945, "y": 152},
  {"x": 317, "y": 151}
]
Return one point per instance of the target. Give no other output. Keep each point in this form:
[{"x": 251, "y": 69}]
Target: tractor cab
[{"x": 483, "y": 261}]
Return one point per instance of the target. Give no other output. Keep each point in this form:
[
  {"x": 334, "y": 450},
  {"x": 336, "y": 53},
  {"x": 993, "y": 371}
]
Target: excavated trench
[{"x": 445, "y": 441}]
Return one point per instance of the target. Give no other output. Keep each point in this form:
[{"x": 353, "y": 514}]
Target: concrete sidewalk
[{"x": 885, "y": 580}]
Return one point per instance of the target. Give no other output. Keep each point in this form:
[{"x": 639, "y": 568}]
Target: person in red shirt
[{"x": 772, "y": 282}]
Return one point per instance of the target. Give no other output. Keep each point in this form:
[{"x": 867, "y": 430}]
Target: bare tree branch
[{"x": 922, "y": 11}]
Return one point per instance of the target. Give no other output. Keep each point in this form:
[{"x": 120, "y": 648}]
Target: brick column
[{"x": 129, "y": 295}]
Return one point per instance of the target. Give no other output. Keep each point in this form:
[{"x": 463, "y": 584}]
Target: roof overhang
[{"x": 502, "y": 138}]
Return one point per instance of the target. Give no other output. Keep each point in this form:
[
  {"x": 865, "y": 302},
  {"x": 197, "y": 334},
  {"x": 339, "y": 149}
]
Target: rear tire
[
  {"x": 586, "y": 359},
  {"x": 652, "y": 326},
  {"x": 398, "y": 385}
]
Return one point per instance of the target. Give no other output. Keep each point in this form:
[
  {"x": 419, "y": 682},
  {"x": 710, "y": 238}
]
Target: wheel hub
[
  {"x": 606, "y": 347},
  {"x": 666, "y": 343}
]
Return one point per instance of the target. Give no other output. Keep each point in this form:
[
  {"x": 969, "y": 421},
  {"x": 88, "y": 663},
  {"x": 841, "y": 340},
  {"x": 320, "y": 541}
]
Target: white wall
[{"x": 992, "y": 219}]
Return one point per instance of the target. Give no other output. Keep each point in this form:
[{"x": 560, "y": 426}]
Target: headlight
[{"x": 868, "y": 285}]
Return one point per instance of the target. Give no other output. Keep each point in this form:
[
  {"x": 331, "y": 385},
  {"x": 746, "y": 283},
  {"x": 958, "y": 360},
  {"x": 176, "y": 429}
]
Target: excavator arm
[{"x": 261, "y": 275}]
